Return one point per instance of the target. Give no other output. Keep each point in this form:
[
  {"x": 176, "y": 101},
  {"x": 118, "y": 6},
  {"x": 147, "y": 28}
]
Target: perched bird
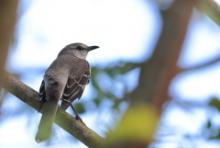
[{"x": 64, "y": 80}]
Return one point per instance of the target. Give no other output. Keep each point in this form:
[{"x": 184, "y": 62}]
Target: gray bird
[{"x": 64, "y": 80}]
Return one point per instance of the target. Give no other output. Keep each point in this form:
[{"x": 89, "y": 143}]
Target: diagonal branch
[
  {"x": 63, "y": 119},
  {"x": 201, "y": 66}
]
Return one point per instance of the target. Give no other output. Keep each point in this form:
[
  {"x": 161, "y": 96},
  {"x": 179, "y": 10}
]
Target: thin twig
[{"x": 201, "y": 66}]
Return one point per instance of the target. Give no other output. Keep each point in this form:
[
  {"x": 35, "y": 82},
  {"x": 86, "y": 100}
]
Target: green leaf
[
  {"x": 116, "y": 105},
  {"x": 215, "y": 102},
  {"x": 97, "y": 101},
  {"x": 208, "y": 124},
  {"x": 138, "y": 123},
  {"x": 80, "y": 108},
  {"x": 217, "y": 136}
]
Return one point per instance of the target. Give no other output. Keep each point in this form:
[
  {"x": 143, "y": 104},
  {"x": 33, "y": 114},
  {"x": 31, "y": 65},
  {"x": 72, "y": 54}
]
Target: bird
[{"x": 65, "y": 80}]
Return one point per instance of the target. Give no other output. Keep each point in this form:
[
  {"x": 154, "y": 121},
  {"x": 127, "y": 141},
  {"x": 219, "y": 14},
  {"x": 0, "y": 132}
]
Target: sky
[{"x": 124, "y": 30}]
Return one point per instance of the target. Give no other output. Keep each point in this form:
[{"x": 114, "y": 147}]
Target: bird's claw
[{"x": 77, "y": 117}]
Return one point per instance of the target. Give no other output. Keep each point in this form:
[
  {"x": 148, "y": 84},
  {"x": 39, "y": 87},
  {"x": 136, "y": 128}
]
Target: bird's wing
[
  {"x": 75, "y": 87},
  {"x": 42, "y": 92}
]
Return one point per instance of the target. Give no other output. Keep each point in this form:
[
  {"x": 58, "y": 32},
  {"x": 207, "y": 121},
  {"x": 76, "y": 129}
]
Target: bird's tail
[{"x": 48, "y": 115}]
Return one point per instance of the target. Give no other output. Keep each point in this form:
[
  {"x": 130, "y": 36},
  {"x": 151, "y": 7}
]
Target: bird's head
[{"x": 79, "y": 50}]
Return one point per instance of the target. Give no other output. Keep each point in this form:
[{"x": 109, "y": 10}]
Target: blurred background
[{"x": 127, "y": 32}]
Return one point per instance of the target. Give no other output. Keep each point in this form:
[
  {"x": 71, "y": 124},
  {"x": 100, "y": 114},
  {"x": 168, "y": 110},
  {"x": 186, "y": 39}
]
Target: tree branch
[
  {"x": 63, "y": 119},
  {"x": 200, "y": 66},
  {"x": 157, "y": 73},
  {"x": 139, "y": 122}
]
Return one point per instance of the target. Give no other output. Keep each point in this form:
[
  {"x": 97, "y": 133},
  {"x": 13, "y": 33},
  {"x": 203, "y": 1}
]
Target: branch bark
[
  {"x": 63, "y": 119},
  {"x": 156, "y": 74}
]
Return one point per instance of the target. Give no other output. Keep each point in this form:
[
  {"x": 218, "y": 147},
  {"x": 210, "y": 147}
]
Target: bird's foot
[{"x": 77, "y": 117}]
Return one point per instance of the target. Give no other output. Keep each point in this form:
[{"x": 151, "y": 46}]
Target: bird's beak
[{"x": 90, "y": 48}]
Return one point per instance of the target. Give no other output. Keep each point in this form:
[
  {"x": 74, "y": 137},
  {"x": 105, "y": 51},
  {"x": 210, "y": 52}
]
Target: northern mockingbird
[{"x": 65, "y": 79}]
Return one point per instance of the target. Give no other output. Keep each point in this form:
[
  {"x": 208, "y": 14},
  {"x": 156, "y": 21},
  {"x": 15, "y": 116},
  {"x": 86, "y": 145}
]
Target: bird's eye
[{"x": 79, "y": 47}]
